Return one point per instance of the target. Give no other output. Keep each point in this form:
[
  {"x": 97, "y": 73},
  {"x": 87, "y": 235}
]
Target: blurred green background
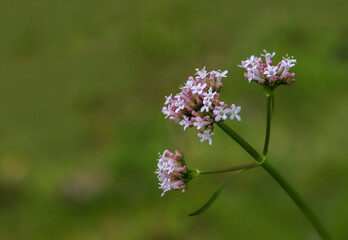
[{"x": 82, "y": 87}]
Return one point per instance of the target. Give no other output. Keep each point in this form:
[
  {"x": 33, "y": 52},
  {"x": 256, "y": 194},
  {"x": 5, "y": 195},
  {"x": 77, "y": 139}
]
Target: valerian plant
[{"x": 198, "y": 105}]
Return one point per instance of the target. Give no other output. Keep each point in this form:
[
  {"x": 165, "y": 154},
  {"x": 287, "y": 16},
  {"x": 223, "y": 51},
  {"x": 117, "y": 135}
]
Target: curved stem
[
  {"x": 270, "y": 105},
  {"x": 245, "y": 166},
  {"x": 293, "y": 194}
]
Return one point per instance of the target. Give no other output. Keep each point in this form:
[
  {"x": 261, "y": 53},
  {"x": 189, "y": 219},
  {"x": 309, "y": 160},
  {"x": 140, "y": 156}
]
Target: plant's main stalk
[{"x": 293, "y": 194}]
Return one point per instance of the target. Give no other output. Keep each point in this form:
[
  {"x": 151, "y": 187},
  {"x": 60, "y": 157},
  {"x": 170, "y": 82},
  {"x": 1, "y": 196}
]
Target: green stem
[
  {"x": 280, "y": 179},
  {"x": 270, "y": 105},
  {"x": 244, "y": 144},
  {"x": 295, "y": 196},
  {"x": 234, "y": 168}
]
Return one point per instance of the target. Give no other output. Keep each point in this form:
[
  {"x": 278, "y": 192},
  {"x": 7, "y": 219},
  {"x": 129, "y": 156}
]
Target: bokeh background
[{"x": 82, "y": 87}]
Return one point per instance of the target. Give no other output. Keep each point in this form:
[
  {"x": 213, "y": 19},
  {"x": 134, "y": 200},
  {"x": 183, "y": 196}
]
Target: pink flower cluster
[
  {"x": 267, "y": 73},
  {"x": 198, "y": 104},
  {"x": 172, "y": 171}
]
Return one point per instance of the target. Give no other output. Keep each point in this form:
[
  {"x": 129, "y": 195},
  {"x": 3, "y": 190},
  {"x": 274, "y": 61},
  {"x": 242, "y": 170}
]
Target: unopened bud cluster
[
  {"x": 173, "y": 173},
  {"x": 267, "y": 73},
  {"x": 198, "y": 104}
]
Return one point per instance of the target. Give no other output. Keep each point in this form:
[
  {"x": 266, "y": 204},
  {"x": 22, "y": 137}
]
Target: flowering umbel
[
  {"x": 198, "y": 104},
  {"x": 173, "y": 173},
  {"x": 267, "y": 73}
]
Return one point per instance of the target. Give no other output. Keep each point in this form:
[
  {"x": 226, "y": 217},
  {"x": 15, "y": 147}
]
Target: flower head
[
  {"x": 267, "y": 73},
  {"x": 173, "y": 173},
  {"x": 198, "y": 104}
]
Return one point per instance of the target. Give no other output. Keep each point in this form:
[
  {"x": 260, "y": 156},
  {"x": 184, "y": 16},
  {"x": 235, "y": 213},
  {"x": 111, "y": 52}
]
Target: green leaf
[
  {"x": 211, "y": 200},
  {"x": 215, "y": 195}
]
